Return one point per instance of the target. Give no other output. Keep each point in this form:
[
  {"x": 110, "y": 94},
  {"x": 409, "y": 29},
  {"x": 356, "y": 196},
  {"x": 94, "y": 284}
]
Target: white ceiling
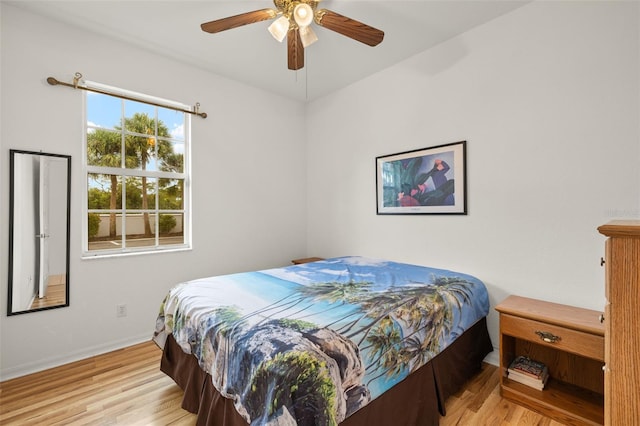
[{"x": 249, "y": 54}]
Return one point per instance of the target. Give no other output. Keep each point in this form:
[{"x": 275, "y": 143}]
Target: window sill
[{"x": 103, "y": 255}]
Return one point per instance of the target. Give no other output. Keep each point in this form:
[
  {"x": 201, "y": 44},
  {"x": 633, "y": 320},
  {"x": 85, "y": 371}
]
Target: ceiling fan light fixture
[
  {"x": 279, "y": 28},
  {"x": 292, "y": 20},
  {"x": 307, "y": 36},
  {"x": 303, "y": 14}
]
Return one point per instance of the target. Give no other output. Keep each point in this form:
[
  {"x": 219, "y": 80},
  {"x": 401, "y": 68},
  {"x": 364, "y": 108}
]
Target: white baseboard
[
  {"x": 493, "y": 358},
  {"x": 46, "y": 363}
]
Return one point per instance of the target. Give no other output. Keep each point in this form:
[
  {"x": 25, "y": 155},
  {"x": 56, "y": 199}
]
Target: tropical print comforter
[{"x": 311, "y": 344}]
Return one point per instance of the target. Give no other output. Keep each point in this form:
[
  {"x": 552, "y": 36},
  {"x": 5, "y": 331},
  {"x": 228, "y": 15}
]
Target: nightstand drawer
[
  {"x": 306, "y": 260},
  {"x": 577, "y": 342}
]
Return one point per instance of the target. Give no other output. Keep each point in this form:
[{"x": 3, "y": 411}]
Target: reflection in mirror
[{"x": 39, "y": 210}]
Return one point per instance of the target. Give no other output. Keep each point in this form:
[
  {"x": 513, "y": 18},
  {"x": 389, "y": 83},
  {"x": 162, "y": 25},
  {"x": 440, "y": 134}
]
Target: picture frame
[{"x": 430, "y": 180}]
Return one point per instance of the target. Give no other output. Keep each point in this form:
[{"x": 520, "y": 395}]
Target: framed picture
[{"x": 424, "y": 181}]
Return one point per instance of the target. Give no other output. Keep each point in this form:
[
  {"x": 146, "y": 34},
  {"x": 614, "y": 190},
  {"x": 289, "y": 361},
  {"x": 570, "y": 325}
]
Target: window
[{"x": 137, "y": 183}]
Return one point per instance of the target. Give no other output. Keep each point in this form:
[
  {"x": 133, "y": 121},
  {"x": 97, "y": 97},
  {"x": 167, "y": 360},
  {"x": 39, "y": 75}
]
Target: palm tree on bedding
[
  {"x": 397, "y": 329},
  {"x": 400, "y": 327},
  {"x": 422, "y": 319}
]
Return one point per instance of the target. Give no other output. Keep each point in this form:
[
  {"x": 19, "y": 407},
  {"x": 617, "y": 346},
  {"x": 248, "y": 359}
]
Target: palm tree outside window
[{"x": 137, "y": 192}]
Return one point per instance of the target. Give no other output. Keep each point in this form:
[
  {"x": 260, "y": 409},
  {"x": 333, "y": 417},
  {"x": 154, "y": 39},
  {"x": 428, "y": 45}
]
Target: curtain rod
[{"x": 54, "y": 82}]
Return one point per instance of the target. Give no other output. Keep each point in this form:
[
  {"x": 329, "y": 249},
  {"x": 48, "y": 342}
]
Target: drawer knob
[{"x": 548, "y": 337}]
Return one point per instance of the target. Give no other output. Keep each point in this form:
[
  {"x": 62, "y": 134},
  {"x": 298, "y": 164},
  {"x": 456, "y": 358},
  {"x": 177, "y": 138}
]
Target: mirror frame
[{"x": 12, "y": 199}]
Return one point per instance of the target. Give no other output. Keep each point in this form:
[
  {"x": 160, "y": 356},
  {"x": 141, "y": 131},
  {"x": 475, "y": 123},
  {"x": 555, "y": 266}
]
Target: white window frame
[{"x": 124, "y": 172}]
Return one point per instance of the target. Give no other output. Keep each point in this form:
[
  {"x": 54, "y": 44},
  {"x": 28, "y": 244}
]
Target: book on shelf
[
  {"x": 529, "y": 381},
  {"x": 528, "y": 366},
  {"x": 528, "y": 372}
]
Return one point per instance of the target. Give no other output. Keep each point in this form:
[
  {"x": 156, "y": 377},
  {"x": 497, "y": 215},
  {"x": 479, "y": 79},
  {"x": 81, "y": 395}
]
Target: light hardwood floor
[
  {"x": 126, "y": 387},
  {"x": 56, "y": 293}
]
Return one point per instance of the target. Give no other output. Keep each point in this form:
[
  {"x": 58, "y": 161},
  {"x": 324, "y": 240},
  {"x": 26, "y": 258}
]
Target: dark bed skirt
[{"x": 417, "y": 400}]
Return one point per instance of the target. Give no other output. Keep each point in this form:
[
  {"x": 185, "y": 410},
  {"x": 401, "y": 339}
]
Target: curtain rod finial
[
  {"x": 197, "y": 111},
  {"x": 52, "y": 81}
]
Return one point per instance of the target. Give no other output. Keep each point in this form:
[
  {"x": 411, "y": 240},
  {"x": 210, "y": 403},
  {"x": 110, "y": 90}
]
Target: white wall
[
  {"x": 547, "y": 98},
  {"x": 249, "y": 186}
]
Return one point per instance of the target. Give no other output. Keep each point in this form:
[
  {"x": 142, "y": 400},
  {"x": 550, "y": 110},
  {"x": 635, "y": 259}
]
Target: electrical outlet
[{"x": 121, "y": 311}]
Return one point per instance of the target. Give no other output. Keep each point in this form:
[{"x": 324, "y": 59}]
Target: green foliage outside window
[
  {"x": 94, "y": 224},
  {"x": 166, "y": 223},
  {"x": 136, "y": 174}
]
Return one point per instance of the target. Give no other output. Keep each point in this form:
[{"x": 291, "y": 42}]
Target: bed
[{"x": 350, "y": 340}]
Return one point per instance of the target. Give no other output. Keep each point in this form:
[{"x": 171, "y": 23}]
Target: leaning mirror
[{"x": 39, "y": 208}]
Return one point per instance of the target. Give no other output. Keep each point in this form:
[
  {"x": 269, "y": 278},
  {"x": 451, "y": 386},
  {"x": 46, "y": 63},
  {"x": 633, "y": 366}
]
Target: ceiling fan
[{"x": 294, "y": 23}]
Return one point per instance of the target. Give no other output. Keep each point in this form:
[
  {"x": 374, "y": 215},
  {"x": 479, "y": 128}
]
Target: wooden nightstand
[
  {"x": 306, "y": 260},
  {"x": 570, "y": 341}
]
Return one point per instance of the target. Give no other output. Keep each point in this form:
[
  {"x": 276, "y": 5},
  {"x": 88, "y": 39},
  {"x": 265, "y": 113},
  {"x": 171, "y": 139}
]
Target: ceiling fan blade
[
  {"x": 295, "y": 50},
  {"x": 238, "y": 20},
  {"x": 349, "y": 27}
]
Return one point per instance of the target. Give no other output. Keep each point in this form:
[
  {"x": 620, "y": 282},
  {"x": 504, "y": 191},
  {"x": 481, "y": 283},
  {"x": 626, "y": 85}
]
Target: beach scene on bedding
[{"x": 311, "y": 344}]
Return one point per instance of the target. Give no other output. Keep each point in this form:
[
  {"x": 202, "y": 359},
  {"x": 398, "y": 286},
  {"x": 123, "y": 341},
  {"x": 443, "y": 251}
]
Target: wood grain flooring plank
[{"x": 126, "y": 387}]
